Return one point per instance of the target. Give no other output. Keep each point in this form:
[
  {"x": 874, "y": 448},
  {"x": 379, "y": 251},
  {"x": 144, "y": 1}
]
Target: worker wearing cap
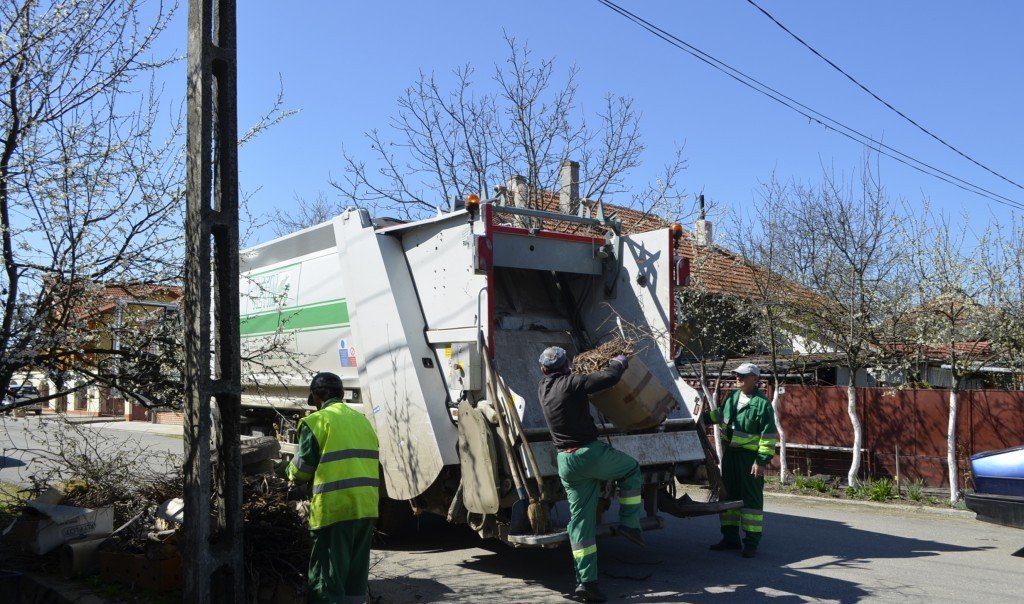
[
  {"x": 584, "y": 461},
  {"x": 338, "y": 452},
  {"x": 748, "y": 439}
]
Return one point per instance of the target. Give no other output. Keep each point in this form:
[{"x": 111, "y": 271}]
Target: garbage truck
[{"x": 435, "y": 327}]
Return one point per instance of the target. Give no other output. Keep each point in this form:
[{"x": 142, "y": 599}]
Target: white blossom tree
[
  {"x": 844, "y": 244},
  {"x": 956, "y": 317}
]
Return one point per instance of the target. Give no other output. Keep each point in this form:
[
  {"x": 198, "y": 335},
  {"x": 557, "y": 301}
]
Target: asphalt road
[
  {"x": 24, "y": 440},
  {"x": 813, "y": 551}
]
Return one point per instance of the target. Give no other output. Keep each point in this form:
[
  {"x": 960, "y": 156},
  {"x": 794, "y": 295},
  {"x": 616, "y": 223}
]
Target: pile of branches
[
  {"x": 596, "y": 359},
  {"x": 277, "y": 540},
  {"x": 129, "y": 499},
  {"x": 93, "y": 470}
]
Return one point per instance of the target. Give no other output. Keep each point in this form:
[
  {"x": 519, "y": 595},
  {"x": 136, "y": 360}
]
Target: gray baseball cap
[
  {"x": 747, "y": 369},
  {"x": 552, "y": 357}
]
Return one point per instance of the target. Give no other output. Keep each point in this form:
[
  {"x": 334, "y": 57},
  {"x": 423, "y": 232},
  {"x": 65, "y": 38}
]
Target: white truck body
[{"x": 398, "y": 311}]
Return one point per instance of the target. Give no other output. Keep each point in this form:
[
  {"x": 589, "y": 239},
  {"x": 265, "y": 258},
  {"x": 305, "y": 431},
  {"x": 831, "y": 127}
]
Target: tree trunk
[
  {"x": 954, "y": 474},
  {"x": 783, "y": 466},
  {"x": 851, "y": 407}
]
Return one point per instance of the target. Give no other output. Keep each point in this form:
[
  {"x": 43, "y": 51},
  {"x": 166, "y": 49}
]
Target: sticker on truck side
[{"x": 346, "y": 354}]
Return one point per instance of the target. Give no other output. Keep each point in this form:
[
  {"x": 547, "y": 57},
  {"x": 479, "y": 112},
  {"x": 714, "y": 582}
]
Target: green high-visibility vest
[
  {"x": 751, "y": 428},
  {"x": 346, "y": 477}
]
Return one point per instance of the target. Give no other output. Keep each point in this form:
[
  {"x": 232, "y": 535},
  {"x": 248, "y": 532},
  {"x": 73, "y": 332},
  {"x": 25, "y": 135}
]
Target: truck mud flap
[
  {"x": 1006, "y": 510},
  {"x": 684, "y": 507},
  {"x": 553, "y": 539}
]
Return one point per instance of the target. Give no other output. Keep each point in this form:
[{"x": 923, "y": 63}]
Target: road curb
[
  {"x": 913, "y": 509},
  {"x": 80, "y": 419}
]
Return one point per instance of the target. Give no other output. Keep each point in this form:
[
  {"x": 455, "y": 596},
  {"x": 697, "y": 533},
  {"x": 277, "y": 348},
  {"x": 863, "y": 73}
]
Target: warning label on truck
[{"x": 346, "y": 354}]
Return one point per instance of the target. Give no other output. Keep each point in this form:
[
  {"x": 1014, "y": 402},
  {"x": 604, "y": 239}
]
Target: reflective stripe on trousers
[
  {"x": 584, "y": 548},
  {"x": 729, "y": 518},
  {"x": 630, "y": 497},
  {"x": 751, "y": 519}
]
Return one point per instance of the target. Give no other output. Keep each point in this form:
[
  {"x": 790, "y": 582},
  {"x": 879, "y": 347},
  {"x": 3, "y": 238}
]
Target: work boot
[
  {"x": 589, "y": 592},
  {"x": 749, "y": 551},
  {"x": 725, "y": 544},
  {"x": 632, "y": 534}
]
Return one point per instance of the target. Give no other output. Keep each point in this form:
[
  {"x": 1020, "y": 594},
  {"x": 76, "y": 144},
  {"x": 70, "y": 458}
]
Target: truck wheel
[
  {"x": 395, "y": 518},
  {"x": 39, "y": 411}
]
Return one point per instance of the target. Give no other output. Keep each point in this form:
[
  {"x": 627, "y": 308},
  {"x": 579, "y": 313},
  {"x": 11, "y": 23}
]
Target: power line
[
  {"x": 883, "y": 101},
  {"x": 811, "y": 114}
]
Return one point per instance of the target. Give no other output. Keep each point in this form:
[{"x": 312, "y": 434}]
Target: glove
[{"x": 622, "y": 360}]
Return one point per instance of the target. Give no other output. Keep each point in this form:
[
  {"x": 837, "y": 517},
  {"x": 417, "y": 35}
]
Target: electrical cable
[
  {"x": 883, "y": 101},
  {"x": 813, "y": 115}
]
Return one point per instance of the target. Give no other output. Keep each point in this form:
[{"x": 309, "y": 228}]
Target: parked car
[
  {"x": 16, "y": 395},
  {"x": 998, "y": 495}
]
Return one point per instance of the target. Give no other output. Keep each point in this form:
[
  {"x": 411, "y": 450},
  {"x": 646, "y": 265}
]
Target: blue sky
[{"x": 953, "y": 66}]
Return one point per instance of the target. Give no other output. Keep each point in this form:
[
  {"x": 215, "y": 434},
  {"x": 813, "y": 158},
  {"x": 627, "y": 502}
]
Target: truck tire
[
  {"x": 39, "y": 411},
  {"x": 395, "y": 518}
]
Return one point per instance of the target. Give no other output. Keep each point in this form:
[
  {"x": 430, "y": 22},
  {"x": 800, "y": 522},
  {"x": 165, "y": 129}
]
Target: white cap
[{"x": 747, "y": 369}]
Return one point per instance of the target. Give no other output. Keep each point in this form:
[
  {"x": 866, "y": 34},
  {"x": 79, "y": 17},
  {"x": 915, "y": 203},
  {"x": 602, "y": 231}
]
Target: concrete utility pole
[{"x": 213, "y": 487}]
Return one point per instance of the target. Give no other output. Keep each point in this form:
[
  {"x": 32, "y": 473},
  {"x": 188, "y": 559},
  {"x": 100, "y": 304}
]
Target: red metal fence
[{"x": 914, "y": 421}]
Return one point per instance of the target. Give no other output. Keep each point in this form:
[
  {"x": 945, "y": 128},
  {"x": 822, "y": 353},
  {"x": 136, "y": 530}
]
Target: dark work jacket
[{"x": 567, "y": 408}]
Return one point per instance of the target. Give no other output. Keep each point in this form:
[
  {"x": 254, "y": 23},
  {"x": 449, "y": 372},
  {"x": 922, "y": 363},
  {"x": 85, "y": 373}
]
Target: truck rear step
[{"x": 647, "y": 523}]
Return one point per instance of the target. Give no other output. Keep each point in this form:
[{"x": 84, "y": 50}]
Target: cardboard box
[
  {"x": 637, "y": 402},
  {"x": 50, "y": 526}
]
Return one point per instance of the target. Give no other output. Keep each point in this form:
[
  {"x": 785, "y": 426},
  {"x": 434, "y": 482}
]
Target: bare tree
[
  {"x": 760, "y": 243},
  {"x": 91, "y": 191},
  {"x": 448, "y": 140},
  {"x": 845, "y": 246},
  {"x": 714, "y": 325}
]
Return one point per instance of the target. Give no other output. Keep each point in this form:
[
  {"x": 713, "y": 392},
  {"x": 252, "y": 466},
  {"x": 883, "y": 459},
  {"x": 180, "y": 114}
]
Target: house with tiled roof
[{"x": 108, "y": 318}]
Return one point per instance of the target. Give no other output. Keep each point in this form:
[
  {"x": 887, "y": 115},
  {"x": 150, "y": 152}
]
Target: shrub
[
  {"x": 881, "y": 490},
  {"x": 914, "y": 489},
  {"x": 806, "y": 483}
]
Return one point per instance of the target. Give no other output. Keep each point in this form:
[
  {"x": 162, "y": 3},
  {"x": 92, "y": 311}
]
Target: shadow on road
[
  {"x": 10, "y": 462},
  {"x": 793, "y": 565}
]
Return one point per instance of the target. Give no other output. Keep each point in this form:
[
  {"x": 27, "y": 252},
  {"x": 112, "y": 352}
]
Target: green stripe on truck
[{"x": 318, "y": 316}]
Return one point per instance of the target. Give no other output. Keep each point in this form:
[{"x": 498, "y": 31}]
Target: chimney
[
  {"x": 569, "y": 191},
  {"x": 702, "y": 232},
  {"x": 517, "y": 191}
]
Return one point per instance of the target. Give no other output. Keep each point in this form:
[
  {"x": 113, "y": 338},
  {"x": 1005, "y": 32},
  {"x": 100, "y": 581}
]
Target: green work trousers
[
  {"x": 739, "y": 484},
  {"x": 340, "y": 562},
  {"x": 582, "y": 473}
]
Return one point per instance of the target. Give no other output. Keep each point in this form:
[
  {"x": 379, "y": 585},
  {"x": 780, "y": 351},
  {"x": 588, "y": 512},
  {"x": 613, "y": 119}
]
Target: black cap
[{"x": 326, "y": 380}]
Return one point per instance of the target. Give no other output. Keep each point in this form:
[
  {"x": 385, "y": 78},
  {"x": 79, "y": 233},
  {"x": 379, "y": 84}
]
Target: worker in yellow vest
[{"x": 338, "y": 453}]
